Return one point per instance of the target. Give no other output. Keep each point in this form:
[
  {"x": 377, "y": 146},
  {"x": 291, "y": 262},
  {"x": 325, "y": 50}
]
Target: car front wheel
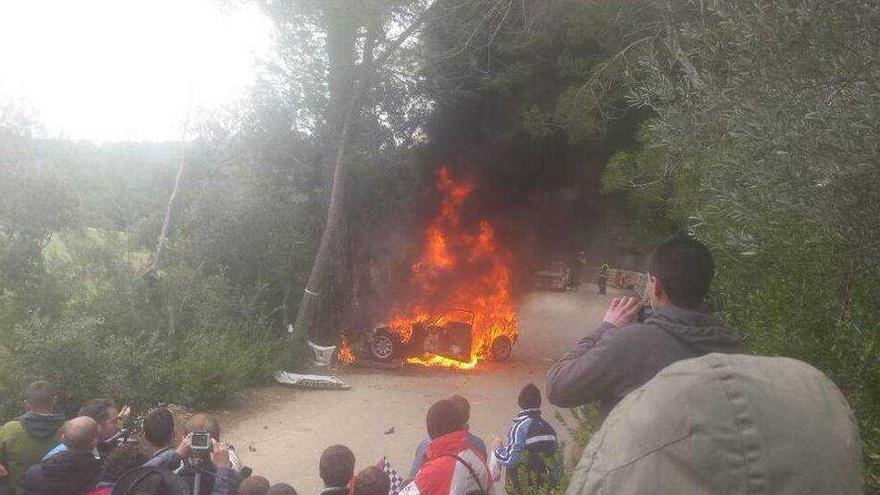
[
  {"x": 384, "y": 345},
  {"x": 501, "y": 348}
]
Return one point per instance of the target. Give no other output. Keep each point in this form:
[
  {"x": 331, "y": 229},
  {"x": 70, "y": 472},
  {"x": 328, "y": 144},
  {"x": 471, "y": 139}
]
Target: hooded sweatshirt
[
  {"x": 24, "y": 441},
  {"x": 68, "y": 473},
  {"x": 609, "y": 363},
  {"x": 727, "y": 425}
]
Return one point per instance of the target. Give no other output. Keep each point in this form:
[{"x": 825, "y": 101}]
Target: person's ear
[{"x": 656, "y": 288}]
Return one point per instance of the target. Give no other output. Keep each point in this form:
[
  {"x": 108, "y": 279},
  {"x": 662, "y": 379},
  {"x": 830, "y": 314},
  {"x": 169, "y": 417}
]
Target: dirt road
[{"x": 281, "y": 432}]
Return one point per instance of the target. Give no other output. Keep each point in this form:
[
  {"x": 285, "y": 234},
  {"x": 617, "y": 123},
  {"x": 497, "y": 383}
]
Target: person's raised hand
[
  {"x": 184, "y": 450},
  {"x": 623, "y": 310},
  {"x": 220, "y": 455}
]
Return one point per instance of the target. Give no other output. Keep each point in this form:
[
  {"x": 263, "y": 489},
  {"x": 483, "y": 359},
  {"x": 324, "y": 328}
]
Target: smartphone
[{"x": 200, "y": 441}]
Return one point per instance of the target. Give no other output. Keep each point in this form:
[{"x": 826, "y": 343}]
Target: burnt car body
[{"x": 448, "y": 335}]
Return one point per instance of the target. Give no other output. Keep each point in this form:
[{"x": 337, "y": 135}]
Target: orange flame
[
  {"x": 345, "y": 354},
  {"x": 433, "y": 360},
  {"x": 460, "y": 269}
]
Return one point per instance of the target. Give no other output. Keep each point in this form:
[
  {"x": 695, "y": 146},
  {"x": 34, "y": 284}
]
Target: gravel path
[{"x": 280, "y": 432}]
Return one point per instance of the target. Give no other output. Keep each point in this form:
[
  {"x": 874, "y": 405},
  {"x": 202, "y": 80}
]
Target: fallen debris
[{"x": 315, "y": 382}]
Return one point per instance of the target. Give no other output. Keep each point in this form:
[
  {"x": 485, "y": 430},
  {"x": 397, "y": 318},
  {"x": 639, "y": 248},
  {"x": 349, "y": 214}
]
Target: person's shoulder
[
  {"x": 634, "y": 331},
  {"x": 14, "y": 423},
  {"x": 10, "y": 428},
  {"x": 477, "y": 442}
]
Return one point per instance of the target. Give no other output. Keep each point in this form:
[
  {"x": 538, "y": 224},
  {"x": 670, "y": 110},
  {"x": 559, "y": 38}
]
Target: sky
[{"x": 114, "y": 70}]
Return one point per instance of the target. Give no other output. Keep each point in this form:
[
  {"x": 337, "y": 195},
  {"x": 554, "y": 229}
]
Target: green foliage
[
  {"x": 763, "y": 143},
  {"x": 78, "y": 310},
  {"x": 114, "y": 338}
]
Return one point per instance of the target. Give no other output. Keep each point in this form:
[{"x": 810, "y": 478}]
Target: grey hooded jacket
[
  {"x": 609, "y": 363},
  {"x": 726, "y": 424}
]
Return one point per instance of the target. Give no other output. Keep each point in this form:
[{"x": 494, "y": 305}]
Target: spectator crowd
[
  {"x": 682, "y": 411},
  {"x": 42, "y": 454}
]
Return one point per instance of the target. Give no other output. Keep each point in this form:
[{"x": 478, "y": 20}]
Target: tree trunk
[
  {"x": 156, "y": 265},
  {"x": 321, "y": 310},
  {"x": 327, "y": 285}
]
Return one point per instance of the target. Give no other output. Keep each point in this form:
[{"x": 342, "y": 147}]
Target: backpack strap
[{"x": 470, "y": 470}]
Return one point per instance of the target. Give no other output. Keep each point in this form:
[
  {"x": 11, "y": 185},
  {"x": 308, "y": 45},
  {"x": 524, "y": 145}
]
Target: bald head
[
  {"x": 80, "y": 433},
  {"x": 204, "y": 422}
]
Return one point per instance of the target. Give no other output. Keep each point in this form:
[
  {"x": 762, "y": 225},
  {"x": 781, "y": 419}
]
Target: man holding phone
[
  {"x": 198, "y": 452},
  {"x": 623, "y": 353}
]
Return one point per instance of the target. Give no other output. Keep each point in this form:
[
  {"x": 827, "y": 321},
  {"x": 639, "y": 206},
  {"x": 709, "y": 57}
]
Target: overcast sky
[{"x": 110, "y": 70}]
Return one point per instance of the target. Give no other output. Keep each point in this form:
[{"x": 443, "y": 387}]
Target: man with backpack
[{"x": 452, "y": 465}]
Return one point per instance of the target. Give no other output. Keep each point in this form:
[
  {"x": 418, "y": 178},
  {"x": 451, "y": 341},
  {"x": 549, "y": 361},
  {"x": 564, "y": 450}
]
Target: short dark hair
[
  {"x": 122, "y": 460},
  {"x": 529, "y": 397},
  {"x": 464, "y": 405},
  {"x": 685, "y": 268},
  {"x": 159, "y": 427},
  {"x": 371, "y": 481},
  {"x": 281, "y": 489},
  {"x": 97, "y": 409},
  {"x": 41, "y": 394},
  {"x": 253, "y": 485},
  {"x": 336, "y": 466},
  {"x": 443, "y": 417}
]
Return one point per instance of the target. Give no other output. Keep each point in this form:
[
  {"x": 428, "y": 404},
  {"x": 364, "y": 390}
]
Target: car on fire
[{"x": 449, "y": 334}]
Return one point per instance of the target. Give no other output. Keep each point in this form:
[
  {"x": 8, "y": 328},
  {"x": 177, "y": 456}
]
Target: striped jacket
[{"x": 533, "y": 437}]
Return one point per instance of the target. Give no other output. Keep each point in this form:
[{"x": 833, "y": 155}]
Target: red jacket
[{"x": 443, "y": 474}]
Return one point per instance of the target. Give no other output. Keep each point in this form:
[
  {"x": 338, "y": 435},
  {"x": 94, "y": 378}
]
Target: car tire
[
  {"x": 501, "y": 348},
  {"x": 384, "y": 345}
]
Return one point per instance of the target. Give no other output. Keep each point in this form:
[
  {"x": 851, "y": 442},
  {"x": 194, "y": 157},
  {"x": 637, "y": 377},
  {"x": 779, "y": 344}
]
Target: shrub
[{"x": 184, "y": 339}]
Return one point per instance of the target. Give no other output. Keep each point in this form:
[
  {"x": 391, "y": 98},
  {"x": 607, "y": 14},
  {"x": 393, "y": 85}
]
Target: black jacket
[
  {"x": 610, "y": 362},
  {"x": 66, "y": 473}
]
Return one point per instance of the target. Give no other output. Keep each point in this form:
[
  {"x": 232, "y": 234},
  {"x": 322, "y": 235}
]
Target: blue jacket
[{"x": 529, "y": 434}]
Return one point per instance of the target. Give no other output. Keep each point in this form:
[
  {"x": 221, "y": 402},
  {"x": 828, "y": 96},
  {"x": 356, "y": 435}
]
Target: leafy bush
[
  {"x": 183, "y": 340},
  {"x": 763, "y": 143}
]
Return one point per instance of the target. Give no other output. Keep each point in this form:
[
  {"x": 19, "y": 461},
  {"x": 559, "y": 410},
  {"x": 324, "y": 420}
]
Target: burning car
[
  {"x": 448, "y": 336},
  {"x": 461, "y": 264}
]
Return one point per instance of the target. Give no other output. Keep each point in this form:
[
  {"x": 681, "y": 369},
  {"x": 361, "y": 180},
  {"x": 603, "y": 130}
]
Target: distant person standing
[
  {"x": 623, "y": 354},
  {"x": 602, "y": 280}
]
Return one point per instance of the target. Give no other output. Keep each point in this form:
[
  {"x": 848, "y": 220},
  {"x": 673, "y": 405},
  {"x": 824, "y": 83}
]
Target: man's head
[
  {"x": 371, "y": 481},
  {"x": 159, "y": 427},
  {"x": 281, "y": 489},
  {"x": 39, "y": 397},
  {"x": 464, "y": 406},
  {"x": 529, "y": 397},
  {"x": 80, "y": 434},
  {"x": 444, "y": 417},
  {"x": 122, "y": 460},
  {"x": 336, "y": 466},
  {"x": 104, "y": 412},
  {"x": 681, "y": 271},
  {"x": 203, "y": 422},
  {"x": 253, "y": 485}
]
